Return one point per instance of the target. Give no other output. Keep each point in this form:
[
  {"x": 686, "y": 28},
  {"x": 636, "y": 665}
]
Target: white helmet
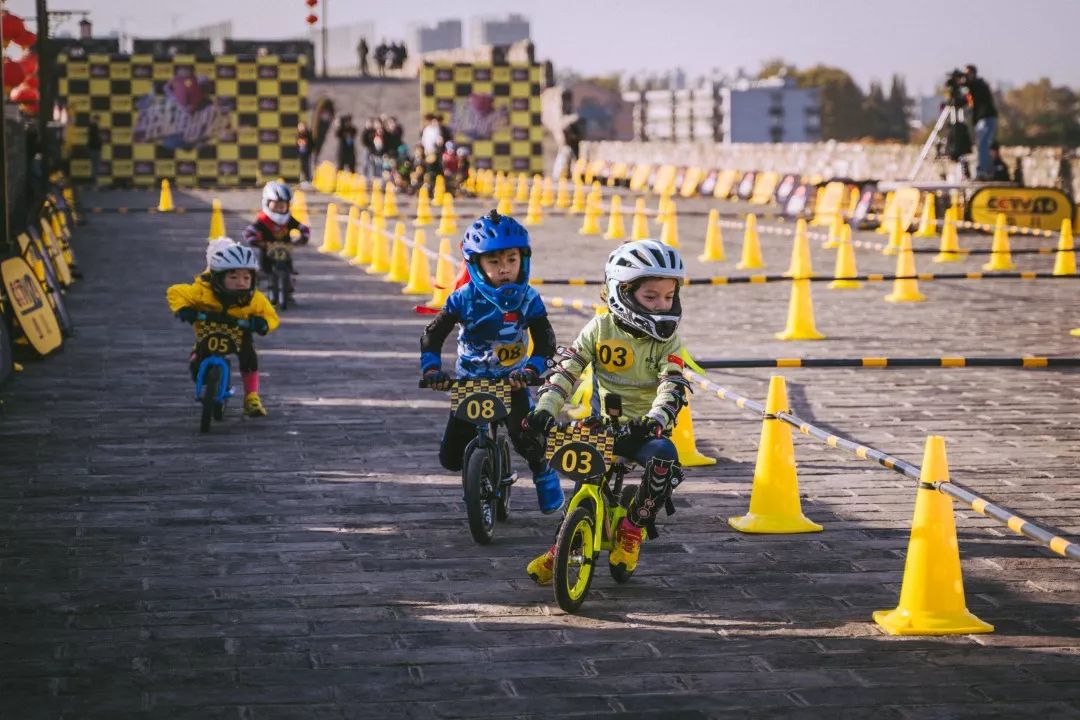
[
  {"x": 222, "y": 255},
  {"x": 634, "y": 261},
  {"x": 275, "y": 192}
]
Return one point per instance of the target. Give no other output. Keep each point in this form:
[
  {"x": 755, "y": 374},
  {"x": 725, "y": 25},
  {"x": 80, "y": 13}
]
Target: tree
[
  {"x": 897, "y": 109},
  {"x": 775, "y": 66},
  {"x": 842, "y": 116},
  {"x": 1039, "y": 113},
  {"x": 876, "y": 113}
]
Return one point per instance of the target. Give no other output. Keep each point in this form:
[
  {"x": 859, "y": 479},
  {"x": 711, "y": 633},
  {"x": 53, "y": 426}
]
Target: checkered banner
[
  {"x": 226, "y": 121},
  {"x": 492, "y": 109}
]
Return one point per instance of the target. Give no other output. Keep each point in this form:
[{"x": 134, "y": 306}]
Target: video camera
[{"x": 955, "y": 89}]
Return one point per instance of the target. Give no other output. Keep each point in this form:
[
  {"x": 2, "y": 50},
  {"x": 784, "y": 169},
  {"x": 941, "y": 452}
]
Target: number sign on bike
[
  {"x": 218, "y": 338},
  {"x": 480, "y": 401},
  {"x": 581, "y": 453}
]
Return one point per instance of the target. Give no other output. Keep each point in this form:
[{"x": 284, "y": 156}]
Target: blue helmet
[{"x": 490, "y": 233}]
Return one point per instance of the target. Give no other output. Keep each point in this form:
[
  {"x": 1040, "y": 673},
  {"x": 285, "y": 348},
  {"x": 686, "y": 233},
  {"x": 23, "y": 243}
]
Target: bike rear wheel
[
  {"x": 575, "y": 559},
  {"x": 480, "y": 484},
  {"x": 211, "y": 383}
]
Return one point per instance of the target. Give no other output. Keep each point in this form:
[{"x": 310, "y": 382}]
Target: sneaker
[
  {"x": 627, "y": 546},
  {"x": 542, "y": 568},
  {"x": 549, "y": 494},
  {"x": 253, "y": 406}
]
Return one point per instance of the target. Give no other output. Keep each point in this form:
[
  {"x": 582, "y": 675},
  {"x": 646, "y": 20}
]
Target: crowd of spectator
[{"x": 387, "y": 56}]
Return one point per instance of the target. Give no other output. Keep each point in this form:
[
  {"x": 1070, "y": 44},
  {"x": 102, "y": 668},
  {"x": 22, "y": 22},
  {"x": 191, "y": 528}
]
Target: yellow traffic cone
[
  {"x": 685, "y": 444},
  {"x": 299, "y": 208},
  {"x": 639, "y": 230},
  {"x": 217, "y": 221},
  {"x": 615, "y": 228},
  {"x": 419, "y": 268},
  {"x": 352, "y": 233},
  {"x": 928, "y": 221},
  {"x": 331, "y": 233},
  {"x": 714, "y": 240},
  {"x": 845, "y": 263},
  {"x": 547, "y": 196},
  {"x": 800, "y": 319},
  {"x": 819, "y": 214},
  {"x": 360, "y": 196},
  {"x": 522, "y": 194},
  {"x": 590, "y": 224},
  {"x": 423, "y": 207},
  {"x": 165, "y": 201},
  {"x": 562, "y": 198},
  {"x": 949, "y": 249},
  {"x": 399, "y": 256},
  {"x": 669, "y": 233},
  {"x": 895, "y": 236},
  {"x": 800, "y": 265},
  {"x": 751, "y": 246},
  {"x": 534, "y": 215},
  {"x": 444, "y": 276},
  {"x": 578, "y": 204},
  {"x": 580, "y": 405},
  {"x": 439, "y": 192},
  {"x": 888, "y": 213},
  {"x": 380, "y": 248},
  {"x": 390, "y": 210},
  {"x": 447, "y": 218},
  {"x": 932, "y": 598},
  {"x": 1000, "y": 256},
  {"x": 853, "y": 202},
  {"x": 905, "y": 291},
  {"x": 506, "y": 204},
  {"x": 363, "y": 240},
  {"x": 663, "y": 210},
  {"x": 774, "y": 497},
  {"x": 376, "y": 204},
  {"x": 836, "y": 228},
  {"x": 1065, "y": 259}
]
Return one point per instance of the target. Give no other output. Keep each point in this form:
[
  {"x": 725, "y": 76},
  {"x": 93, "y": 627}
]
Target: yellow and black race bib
[
  {"x": 509, "y": 354},
  {"x": 614, "y": 355}
]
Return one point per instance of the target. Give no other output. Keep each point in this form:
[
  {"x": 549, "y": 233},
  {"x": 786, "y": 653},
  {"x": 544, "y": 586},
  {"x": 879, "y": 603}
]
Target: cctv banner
[{"x": 1037, "y": 208}]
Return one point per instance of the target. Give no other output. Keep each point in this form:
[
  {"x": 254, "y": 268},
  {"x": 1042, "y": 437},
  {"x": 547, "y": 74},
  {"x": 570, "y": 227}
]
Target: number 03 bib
[{"x": 614, "y": 355}]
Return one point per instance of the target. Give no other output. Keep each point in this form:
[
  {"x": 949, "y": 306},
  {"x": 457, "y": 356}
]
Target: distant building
[
  {"x": 496, "y": 31},
  {"x": 446, "y": 35},
  {"x": 216, "y": 33},
  {"x": 605, "y": 114},
  {"x": 729, "y": 111}
]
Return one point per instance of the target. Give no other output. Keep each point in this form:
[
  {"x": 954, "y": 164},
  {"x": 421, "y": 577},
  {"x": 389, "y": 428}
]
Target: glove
[
  {"x": 644, "y": 428},
  {"x": 258, "y": 325},
  {"x": 523, "y": 377},
  {"x": 436, "y": 379},
  {"x": 188, "y": 315},
  {"x": 538, "y": 423}
]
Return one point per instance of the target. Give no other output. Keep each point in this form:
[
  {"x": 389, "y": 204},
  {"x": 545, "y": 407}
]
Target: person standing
[
  {"x": 362, "y": 52},
  {"x": 93, "y": 147},
  {"x": 303, "y": 149},
  {"x": 984, "y": 113},
  {"x": 346, "y": 137}
]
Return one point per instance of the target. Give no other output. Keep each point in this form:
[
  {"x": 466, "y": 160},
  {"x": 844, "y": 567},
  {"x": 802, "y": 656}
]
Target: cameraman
[{"x": 986, "y": 120}]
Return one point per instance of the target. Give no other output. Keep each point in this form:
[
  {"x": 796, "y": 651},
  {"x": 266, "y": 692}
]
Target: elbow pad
[{"x": 678, "y": 390}]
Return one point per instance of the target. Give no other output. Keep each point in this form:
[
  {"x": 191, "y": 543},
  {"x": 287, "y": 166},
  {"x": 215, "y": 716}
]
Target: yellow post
[
  {"x": 932, "y": 598},
  {"x": 774, "y": 497}
]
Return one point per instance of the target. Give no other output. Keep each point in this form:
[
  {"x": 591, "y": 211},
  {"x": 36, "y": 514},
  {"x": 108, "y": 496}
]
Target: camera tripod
[{"x": 951, "y": 114}]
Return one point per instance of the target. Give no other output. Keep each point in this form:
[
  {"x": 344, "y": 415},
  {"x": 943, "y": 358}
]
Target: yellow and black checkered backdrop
[
  {"x": 230, "y": 120},
  {"x": 492, "y": 109}
]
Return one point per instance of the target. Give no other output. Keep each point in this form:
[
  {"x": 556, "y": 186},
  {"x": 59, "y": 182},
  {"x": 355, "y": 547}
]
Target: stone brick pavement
[{"x": 316, "y": 564}]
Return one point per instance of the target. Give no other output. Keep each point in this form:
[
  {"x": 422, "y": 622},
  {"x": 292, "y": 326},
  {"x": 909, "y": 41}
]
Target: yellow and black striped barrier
[
  {"x": 981, "y": 505},
  {"x": 881, "y": 362},
  {"x": 869, "y": 277},
  {"x": 559, "y": 302}
]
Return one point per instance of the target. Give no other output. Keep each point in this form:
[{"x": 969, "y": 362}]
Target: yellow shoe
[
  {"x": 253, "y": 406},
  {"x": 542, "y": 568},
  {"x": 627, "y": 546}
]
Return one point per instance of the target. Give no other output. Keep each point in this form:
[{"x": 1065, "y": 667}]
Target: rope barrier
[
  {"x": 979, "y": 504},
  {"x": 882, "y": 362},
  {"x": 870, "y": 277}
]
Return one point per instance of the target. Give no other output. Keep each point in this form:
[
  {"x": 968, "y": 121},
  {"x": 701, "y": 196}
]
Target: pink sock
[{"x": 251, "y": 381}]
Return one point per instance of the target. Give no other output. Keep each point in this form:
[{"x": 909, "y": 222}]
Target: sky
[{"x": 1011, "y": 42}]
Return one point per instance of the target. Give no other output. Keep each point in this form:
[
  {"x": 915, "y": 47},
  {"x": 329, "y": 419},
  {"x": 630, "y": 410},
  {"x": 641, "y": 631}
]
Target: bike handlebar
[
  {"x": 424, "y": 383},
  {"x": 241, "y": 323}
]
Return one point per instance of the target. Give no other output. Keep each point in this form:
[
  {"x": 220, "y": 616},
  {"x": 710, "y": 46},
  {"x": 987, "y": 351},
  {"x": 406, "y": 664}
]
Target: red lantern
[
  {"x": 29, "y": 63},
  {"x": 32, "y": 81},
  {"x": 11, "y": 26},
  {"x": 26, "y": 39},
  {"x": 14, "y": 73},
  {"x": 24, "y": 94},
  {"x": 311, "y": 3},
  {"x": 312, "y": 19}
]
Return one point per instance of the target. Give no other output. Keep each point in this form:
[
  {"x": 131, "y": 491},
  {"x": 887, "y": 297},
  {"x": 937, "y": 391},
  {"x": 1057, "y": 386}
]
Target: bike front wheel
[
  {"x": 480, "y": 484},
  {"x": 211, "y": 383},
  {"x": 575, "y": 559}
]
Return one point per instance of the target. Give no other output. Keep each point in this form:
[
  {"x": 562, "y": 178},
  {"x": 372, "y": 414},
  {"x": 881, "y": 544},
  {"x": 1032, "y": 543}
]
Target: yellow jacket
[{"x": 200, "y": 296}]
